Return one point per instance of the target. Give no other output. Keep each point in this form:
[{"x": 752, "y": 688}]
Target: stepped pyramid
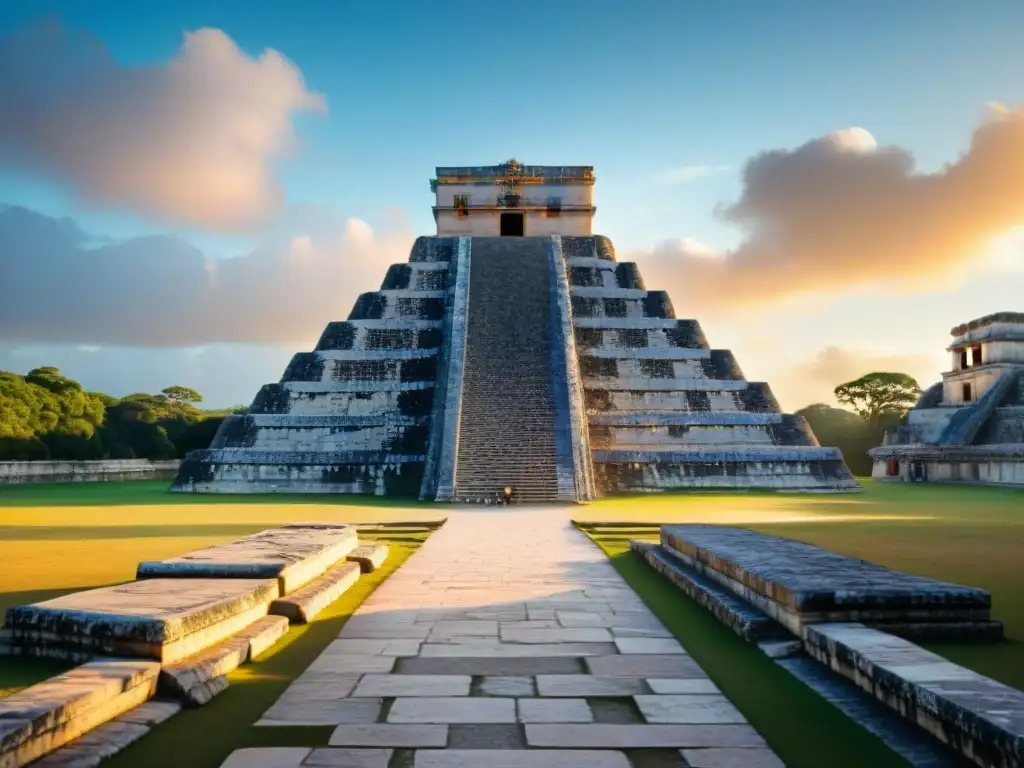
[{"x": 513, "y": 350}]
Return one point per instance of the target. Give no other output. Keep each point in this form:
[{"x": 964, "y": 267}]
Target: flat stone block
[
  {"x": 554, "y": 711},
  {"x": 608, "y": 736},
  {"x": 525, "y": 758},
  {"x": 508, "y": 651},
  {"x": 348, "y": 758},
  {"x": 588, "y": 685},
  {"x": 544, "y": 636},
  {"x": 393, "y": 632},
  {"x": 267, "y": 757},
  {"x": 289, "y": 711},
  {"x": 294, "y": 554},
  {"x": 345, "y": 664},
  {"x": 980, "y": 717},
  {"x": 187, "y": 679},
  {"x": 369, "y": 557},
  {"x": 413, "y": 685},
  {"x": 645, "y": 665},
  {"x": 695, "y": 686},
  {"x": 202, "y": 692},
  {"x": 43, "y": 717},
  {"x": 688, "y": 709},
  {"x": 448, "y": 629},
  {"x": 302, "y": 605},
  {"x": 806, "y": 579},
  {"x": 637, "y": 645},
  {"x": 385, "y": 647},
  {"x": 165, "y": 619},
  {"x": 91, "y": 749},
  {"x": 453, "y": 710},
  {"x": 151, "y": 713},
  {"x": 390, "y": 735},
  {"x": 506, "y": 685},
  {"x": 731, "y": 758},
  {"x": 264, "y": 634},
  {"x": 319, "y": 689},
  {"x": 521, "y": 667}
]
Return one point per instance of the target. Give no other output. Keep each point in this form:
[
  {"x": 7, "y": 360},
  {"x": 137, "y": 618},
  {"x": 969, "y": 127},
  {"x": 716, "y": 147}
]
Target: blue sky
[{"x": 639, "y": 90}]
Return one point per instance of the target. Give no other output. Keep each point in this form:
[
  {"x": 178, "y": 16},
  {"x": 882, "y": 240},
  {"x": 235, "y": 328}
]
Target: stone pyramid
[{"x": 537, "y": 363}]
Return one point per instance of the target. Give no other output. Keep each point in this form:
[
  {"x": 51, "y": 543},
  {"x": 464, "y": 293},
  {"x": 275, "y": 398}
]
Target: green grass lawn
[
  {"x": 60, "y": 538},
  {"x": 968, "y": 535}
]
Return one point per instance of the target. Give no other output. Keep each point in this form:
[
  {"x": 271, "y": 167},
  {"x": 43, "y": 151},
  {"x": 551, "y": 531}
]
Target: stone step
[
  {"x": 39, "y": 719},
  {"x": 973, "y": 714},
  {"x": 369, "y": 557},
  {"x": 300, "y": 607},
  {"x": 294, "y": 554},
  {"x": 739, "y": 616},
  {"x": 198, "y": 678}
]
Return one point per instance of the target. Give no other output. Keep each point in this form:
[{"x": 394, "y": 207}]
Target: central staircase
[{"x": 507, "y": 421}]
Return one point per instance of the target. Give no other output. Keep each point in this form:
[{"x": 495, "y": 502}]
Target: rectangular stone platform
[
  {"x": 973, "y": 714},
  {"x": 163, "y": 619},
  {"x": 39, "y": 719},
  {"x": 797, "y": 583},
  {"x": 294, "y": 554}
]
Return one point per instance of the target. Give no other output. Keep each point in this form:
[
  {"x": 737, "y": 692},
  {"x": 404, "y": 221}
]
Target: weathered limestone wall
[
  {"x": 354, "y": 415},
  {"x": 487, "y": 223},
  {"x": 667, "y": 411},
  {"x": 15, "y": 472}
]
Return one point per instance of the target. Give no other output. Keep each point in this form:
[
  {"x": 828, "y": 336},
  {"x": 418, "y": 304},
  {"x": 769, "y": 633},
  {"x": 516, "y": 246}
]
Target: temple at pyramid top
[
  {"x": 513, "y": 350},
  {"x": 514, "y": 199}
]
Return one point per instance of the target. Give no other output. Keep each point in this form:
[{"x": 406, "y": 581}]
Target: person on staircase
[{"x": 507, "y": 495}]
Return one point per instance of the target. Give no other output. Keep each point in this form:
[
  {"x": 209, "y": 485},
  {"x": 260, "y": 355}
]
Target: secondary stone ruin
[
  {"x": 179, "y": 630},
  {"x": 970, "y": 426},
  {"x": 856, "y": 618},
  {"x": 513, "y": 350}
]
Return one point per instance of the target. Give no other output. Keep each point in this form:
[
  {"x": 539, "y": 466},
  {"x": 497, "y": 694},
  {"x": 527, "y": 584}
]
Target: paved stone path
[{"x": 509, "y": 641}]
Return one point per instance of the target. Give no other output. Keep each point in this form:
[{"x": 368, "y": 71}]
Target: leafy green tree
[
  {"x": 177, "y": 394},
  {"x": 881, "y": 399}
]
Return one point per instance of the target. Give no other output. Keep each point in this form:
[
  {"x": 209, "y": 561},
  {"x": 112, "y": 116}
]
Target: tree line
[
  {"x": 45, "y": 415},
  {"x": 877, "y": 401}
]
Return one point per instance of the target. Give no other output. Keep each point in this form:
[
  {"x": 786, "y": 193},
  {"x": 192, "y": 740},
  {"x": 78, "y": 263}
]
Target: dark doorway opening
[{"x": 512, "y": 225}]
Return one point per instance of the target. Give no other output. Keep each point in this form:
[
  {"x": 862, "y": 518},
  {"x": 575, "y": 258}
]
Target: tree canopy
[
  {"x": 877, "y": 394},
  {"x": 45, "y": 415}
]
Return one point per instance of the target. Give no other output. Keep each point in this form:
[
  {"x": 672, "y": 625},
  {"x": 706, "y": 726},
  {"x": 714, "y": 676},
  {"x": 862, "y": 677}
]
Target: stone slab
[
  {"x": 446, "y": 710},
  {"x": 588, "y": 685},
  {"x": 344, "y": 664},
  {"x": 512, "y": 651},
  {"x": 267, "y": 757},
  {"x": 731, "y": 758},
  {"x": 164, "y": 619},
  {"x": 294, "y": 554},
  {"x": 560, "y": 635},
  {"x": 525, "y": 758},
  {"x": 369, "y": 557},
  {"x": 536, "y": 710},
  {"x": 737, "y": 614},
  {"x": 91, "y": 749},
  {"x": 981, "y": 718},
  {"x": 610, "y": 736},
  {"x": 506, "y": 685},
  {"x": 700, "y": 685},
  {"x": 348, "y": 758},
  {"x": 413, "y": 685},
  {"x": 688, "y": 709},
  {"x": 390, "y": 735},
  {"x": 525, "y": 667},
  {"x": 804, "y": 578},
  {"x": 264, "y": 634},
  {"x": 296, "y": 711},
  {"x": 644, "y": 666},
  {"x": 302, "y": 605},
  {"x": 644, "y": 645},
  {"x": 43, "y": 717}
]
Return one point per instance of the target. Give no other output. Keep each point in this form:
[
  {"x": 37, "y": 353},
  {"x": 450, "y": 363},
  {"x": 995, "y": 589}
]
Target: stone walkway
[{"x": 509, "y": 641}]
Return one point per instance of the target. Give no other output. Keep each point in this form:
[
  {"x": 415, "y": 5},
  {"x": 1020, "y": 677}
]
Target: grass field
[
  {"x": 968, "y": 535},
  {"x": 60, "y": 538}
]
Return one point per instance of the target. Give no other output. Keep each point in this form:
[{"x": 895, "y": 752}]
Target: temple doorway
[{"x": 512, "y": 225}]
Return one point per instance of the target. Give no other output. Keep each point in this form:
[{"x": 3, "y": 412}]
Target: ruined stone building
[
  {"x": 969, "y": 427},
  {"x": 513, "y": 350}
]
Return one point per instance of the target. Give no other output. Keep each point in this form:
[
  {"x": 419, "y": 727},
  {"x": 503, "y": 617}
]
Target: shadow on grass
[
  {"x": 804, "y": 730},
  {"x": 204, "y": 737},
  {"x": 157, "y": 492}
]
